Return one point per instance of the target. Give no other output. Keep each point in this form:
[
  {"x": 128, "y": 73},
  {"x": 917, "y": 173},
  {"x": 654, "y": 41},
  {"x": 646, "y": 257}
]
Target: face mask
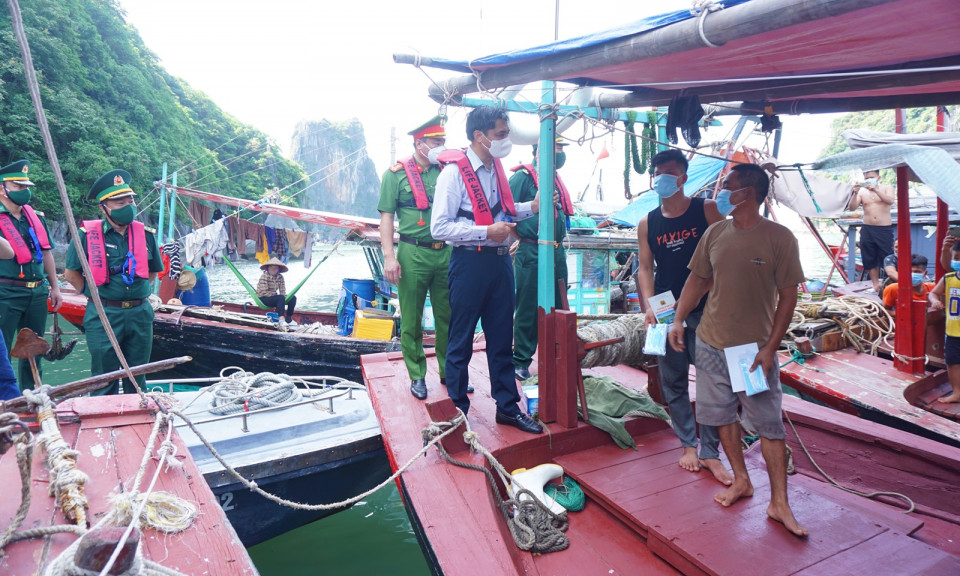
[
  {"x": 870, "y": 182},
  {"x": 500, "y": 148},
  {"x": 917, "y": 278},
  {"x": 433, "y": 156},
  {"x": 665, "y": 185},
  {"x": 19, "y": 197},
  {"x": 723, "y": 201},
  {"x": 124, "y": 216},
  {"x": 560, "y": 159},
  {"x": 955, "y": 265}
]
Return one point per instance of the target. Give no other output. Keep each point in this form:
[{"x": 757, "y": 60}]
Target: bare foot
[
  {"x": 955, "y": 397},
  {"x": 784, "y": 515},
  {"x": 715, "y": 466},
  {"x": 689, "y": 460},
  {"x": 735, "y": 492}
]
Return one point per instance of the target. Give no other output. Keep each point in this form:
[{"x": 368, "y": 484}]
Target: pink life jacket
[
  {"x": 482, "y": 214},
  {"x": 20, "y": 248},
  {"x": 565, "y": 203},
  {"x": 97, "y": 251},
  {"x": 412, "y": 170}
]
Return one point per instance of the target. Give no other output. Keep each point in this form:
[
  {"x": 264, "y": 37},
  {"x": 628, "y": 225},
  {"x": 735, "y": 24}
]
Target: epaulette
[
  {"x": 39, "y": 213},
  {"x": 396, "y": 167},
  {"x": 82, "y": 229},
  {"x": 150, "y": 230}
]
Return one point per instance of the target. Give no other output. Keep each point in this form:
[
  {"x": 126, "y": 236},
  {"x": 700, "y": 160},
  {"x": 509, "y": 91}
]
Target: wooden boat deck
[
  {"x": 110, "y": 432},
  {"x": 644, "y": 514},
  {"x": 870, "y": 387}
]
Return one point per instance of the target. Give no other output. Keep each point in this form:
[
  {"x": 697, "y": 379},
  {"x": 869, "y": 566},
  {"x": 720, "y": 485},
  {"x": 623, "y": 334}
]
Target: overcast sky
[{"x": 273, "y": 64}]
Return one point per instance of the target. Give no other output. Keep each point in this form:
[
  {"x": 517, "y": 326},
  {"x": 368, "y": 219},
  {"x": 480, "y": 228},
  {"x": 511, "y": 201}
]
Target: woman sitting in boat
[
  {"x": 918, "y": 267},
  {"x": 272, "y": 291}
]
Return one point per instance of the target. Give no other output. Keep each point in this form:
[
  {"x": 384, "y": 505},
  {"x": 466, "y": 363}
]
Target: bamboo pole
[{"x": 94, "y": 383}]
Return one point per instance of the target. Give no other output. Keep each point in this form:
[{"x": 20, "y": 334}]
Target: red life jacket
[
  {"x": 565, "y": 203},
  {"x": 482, "y": 213},
  {"x": 97, "y": 251},
  {"x": 20, "y": 248},
  {"x": 412, "y": 170}
]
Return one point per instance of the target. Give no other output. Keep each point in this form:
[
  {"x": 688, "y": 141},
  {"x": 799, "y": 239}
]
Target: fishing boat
[
  {"x": 317, "y": 445},
  {"x": 642, "y": 513},
  {"x": 125, "y": 482}
]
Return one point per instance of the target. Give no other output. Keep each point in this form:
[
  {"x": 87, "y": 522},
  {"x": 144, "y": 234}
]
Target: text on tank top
[{"x": 672, "y": 242}]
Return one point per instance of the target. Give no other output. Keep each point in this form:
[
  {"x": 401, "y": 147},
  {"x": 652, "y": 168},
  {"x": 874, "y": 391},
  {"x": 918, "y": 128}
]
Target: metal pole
[
  {"x": 545, "y": 172},
  {"x": 163, "y": 206},
  {"x": 173, "y": 207}
]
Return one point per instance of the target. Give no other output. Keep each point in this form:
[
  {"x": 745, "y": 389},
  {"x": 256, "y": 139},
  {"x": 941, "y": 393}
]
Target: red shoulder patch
[{"x": 396, "y": 167}]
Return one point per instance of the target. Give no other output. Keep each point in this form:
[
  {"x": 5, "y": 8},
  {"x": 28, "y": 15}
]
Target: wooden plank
[{"x": 888, "y": 553}]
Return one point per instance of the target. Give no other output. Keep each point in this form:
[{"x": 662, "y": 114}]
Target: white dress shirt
[{"x": 451, "y": 196}]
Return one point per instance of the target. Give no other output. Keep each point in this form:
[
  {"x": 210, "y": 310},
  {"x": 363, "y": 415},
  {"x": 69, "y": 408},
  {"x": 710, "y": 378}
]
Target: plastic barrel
[
  {"x": 354, "y": 294},
  {"x": 200, "y": 294},
  {"x": 633, "y": 303}
]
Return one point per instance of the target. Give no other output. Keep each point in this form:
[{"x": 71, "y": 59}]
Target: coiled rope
[
  {"x": 531, "y": 523},
  {"x": 245, "y": 391},
  {"x": 848, "y": 312},
  {"x": 630, "y": 351}
]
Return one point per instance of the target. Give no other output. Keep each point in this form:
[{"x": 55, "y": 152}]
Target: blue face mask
[
  {"x": 723, "y": 202},
  {"x": 917, "y": 278},
  {"x": 665, "y": 185},
  {"x": 955, "y": 265}
]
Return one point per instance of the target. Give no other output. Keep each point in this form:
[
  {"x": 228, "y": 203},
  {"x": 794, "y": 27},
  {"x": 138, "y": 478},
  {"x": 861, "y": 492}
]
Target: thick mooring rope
[{"x": 630, "y": 351}]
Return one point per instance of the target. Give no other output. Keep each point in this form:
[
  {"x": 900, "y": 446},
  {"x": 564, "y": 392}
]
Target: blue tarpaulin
[
  {"x": 702, "y": 171},
  {"x": 515, "y": 56}
]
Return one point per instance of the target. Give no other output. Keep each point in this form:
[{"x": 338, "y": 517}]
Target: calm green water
[{"x": 374, "y": 536}]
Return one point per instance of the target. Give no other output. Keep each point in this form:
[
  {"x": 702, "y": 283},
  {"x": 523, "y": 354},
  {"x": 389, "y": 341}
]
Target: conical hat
[
  {"x": 186, "y": 281},
  {"x": 274, "y": 262}
]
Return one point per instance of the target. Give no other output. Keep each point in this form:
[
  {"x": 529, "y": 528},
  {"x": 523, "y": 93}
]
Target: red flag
[{"x": 603, "y": 153}]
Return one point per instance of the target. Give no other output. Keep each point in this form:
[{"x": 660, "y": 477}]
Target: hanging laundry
[
  {"x": 199, "y": 214},
  {"x": 263, "y": 254},
  {"x": 280, "y": 245},
  {"x": 296, "y": 239},
  {"x": 207, "y": 241},
  {"x": 271, "y": 237},
  {"x": 685, "y": 113},
  {"x": 233, "y": 234},
  {"x": 173, "y": 265},
  {"x": 308, "y": 250}
]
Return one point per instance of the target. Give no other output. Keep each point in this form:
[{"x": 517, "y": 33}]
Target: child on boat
[
  {"x": 271, "y": 290},
  {"x": 919, "y": 288},
  {"x": 946, "y": 296}
]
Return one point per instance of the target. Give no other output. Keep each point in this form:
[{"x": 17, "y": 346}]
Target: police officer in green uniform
[
  {"x": 27, "y": 278},
  {"x": 420, "y": 263},
  {"x": 124, "y": 261},
  {"x": 524, "y": 186}
]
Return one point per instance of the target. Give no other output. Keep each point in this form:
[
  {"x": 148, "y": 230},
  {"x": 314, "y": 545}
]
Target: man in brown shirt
[{"x": 751, "y": 267}]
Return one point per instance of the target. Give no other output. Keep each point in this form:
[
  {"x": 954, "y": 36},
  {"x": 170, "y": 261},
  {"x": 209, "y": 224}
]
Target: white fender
[
  {"x": 525, "y": 128},
  {"x": 533, "y": 479}
]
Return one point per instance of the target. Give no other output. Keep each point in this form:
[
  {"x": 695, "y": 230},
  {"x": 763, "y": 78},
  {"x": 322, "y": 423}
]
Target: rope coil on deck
[
  {"x": 245, "y": 391},
  {"x": 630, "y": 351}
]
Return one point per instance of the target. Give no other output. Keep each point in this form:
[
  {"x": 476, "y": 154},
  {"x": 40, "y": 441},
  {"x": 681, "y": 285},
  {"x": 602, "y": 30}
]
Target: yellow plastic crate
[{"x": 373, "y": 325}]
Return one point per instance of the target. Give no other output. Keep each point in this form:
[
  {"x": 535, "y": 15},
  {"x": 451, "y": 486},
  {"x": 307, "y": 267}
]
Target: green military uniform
[
  {"x": 423, "y": 265},
  {"x": 23, "y": 288},
  {"x": 423, "y": 268},
  {"x": 525, "y": 270},
  {"x": 132, "y": 321}
]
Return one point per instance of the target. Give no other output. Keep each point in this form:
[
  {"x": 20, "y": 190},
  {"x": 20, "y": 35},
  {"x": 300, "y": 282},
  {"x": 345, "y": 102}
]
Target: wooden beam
[{"x": 727, "y": 25}]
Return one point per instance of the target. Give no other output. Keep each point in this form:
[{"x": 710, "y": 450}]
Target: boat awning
[
  {"x": 792, "y": 55},
  {"x": 294, "y": 212},
  {"x": 947, "y": 141}
]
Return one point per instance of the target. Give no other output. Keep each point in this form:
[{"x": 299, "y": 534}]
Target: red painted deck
[
  {"x": 110, "y": 433},
  {"x": 868, "y": 386},
  {"x": 644, "y": 515}
]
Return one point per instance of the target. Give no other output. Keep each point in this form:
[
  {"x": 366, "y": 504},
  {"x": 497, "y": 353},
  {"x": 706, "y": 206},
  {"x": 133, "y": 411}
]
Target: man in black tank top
[{"x": 668, "y": 236}]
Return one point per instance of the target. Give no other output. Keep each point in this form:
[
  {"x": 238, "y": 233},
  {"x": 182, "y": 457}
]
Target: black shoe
[
  {"x": 443, "y": 382},
  {"x": 520, "y": 421},
  {"x": 419, "y": 388},
  {"x": 522, "y": 373}
]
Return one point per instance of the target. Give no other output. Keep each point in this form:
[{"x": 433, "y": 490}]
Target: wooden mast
[{"x": 910, "y": 315}]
